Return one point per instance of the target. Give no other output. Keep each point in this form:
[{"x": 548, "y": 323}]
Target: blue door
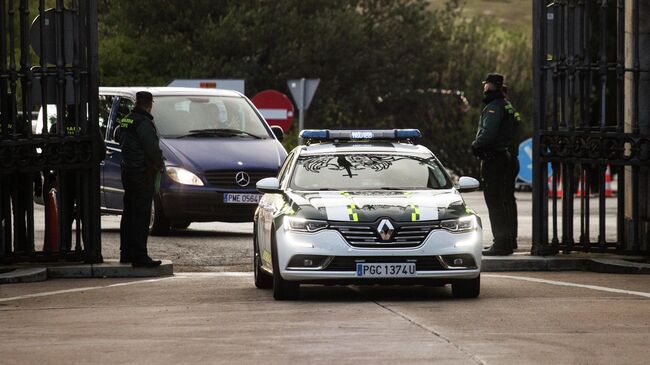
[{"x": 112, "y": 171}]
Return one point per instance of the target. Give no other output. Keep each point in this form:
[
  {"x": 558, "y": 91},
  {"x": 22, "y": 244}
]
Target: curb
[
  {"x": 551, "y": 263},
  {"x": 29, "y": 275},
  {"x": 108, "y": 269}
]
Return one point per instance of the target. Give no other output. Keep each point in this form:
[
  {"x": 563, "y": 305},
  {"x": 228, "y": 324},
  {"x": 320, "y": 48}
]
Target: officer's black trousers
[
  {"x": 134, "y": 226},
  {"x": 498, "y": 175}
]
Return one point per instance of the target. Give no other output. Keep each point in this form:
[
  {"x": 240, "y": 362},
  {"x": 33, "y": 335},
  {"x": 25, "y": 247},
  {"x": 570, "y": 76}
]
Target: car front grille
[
  {"x": 349, "y": 263},
  {"x": 365, "y": 235},
  {"x": 227, "y": 179}
]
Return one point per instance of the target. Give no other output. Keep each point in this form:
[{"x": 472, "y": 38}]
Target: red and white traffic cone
[{"x": 608, "y": 183}]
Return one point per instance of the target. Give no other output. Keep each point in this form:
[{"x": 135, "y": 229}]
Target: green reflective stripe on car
[
  {"x": 266, "y": 257},
  {"x": 415, "y": 216},
  {"x": 352, "y": 215}
]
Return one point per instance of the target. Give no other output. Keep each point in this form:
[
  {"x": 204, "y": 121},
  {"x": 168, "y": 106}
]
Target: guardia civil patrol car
[{"x": 365, "y": 207}]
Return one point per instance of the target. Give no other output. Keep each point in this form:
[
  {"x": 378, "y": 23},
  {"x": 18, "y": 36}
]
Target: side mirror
[
  {"x": 277, "y": 131},
  {"x": 269, "y": 185},
  {"x": 466, "y": 184}
]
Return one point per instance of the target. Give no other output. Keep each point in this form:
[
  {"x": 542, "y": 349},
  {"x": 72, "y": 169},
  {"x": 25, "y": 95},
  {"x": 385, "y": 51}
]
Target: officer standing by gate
[
  {"x": 496, "y": 145},
  {"x": 142, "y": 161}
]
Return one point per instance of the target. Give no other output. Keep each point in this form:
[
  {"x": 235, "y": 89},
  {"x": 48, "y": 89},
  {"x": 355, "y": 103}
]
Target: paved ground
[{"x": 540, "y": 318}]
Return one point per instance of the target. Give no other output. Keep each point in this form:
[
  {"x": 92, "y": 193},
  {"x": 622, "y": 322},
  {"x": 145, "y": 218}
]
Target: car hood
[
  {"x": 368, "y": 206},
  {"x": 205, "y": 154}
]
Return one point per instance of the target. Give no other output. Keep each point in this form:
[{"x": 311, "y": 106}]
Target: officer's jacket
[
  {"x": 139, "y": 142},
  {"x": 498, "y": 127}
]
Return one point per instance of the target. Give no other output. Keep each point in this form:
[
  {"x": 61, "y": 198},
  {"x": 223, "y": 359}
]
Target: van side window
[
  {"x": 124, "y": 107},
  {"x": 105, "y": 106}
]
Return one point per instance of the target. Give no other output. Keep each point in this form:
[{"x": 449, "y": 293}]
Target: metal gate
[
  {"x": 48, "y": 58},
  {"x": 587, "y": 128}
]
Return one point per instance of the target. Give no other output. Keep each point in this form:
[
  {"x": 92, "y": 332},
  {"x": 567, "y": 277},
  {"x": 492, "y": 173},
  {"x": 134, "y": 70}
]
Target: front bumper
[
  {"x": 204, "y": 205},
  {"x": 438, "y": 244}
]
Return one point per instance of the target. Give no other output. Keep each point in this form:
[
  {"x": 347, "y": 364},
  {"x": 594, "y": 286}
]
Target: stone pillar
[{"x": 644, "y": 117}]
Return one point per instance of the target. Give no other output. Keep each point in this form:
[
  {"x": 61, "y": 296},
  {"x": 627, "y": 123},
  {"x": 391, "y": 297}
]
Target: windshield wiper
[{"x": 220, "y": 132}]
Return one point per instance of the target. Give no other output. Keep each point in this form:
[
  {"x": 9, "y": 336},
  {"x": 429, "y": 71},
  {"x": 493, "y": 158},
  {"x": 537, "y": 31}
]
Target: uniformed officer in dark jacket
[
  {"x": 496, "y": 145},
  {"x": 142, "y": 161}
]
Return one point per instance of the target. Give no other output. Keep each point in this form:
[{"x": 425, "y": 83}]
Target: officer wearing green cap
[
  {"x": 496, "y": 146},
  {"x": 142, "y": 161}
]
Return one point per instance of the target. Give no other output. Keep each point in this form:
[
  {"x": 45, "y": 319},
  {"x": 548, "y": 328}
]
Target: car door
[{"x": 113, "y": 190}]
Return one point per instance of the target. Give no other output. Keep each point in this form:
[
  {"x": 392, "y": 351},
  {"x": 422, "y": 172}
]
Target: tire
[
  {"x": 282, "y": 289},
  {"x": 468, "y": 288},
  {"x": 262, "y": 279},
  {"x": 181, "y": 225},
  {"x": 159, "y": 225}
]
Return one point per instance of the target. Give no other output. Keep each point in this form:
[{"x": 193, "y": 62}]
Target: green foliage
[{"x": 378, "y": 60}]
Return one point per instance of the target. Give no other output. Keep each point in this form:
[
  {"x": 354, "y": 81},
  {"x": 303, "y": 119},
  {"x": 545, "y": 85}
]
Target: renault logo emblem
[
  {"x": 242, "y": 179},
  {"x": 385, "y": 229}
]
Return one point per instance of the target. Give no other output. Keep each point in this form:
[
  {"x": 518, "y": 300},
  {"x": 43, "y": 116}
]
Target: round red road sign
[{"x": 275, "y": 107}]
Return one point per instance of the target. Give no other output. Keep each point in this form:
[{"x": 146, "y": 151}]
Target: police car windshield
[
  {"x": 368, "y": 172},
  {"x": 182, "y": 116}
]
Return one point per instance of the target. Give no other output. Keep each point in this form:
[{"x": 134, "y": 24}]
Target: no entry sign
[{"x": 275, "y": 107}]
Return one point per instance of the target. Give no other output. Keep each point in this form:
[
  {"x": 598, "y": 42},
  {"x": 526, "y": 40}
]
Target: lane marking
[
  {"x": 565, "y": 283},
  {"x": 87, "y": 288}
]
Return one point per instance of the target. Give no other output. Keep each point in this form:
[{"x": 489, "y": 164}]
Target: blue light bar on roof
[{"x": 366, "y": 134}]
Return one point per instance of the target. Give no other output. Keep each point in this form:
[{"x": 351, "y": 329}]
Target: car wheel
[
  {"x": 282, "y": 289},
  {"x": 181, "y": 225},
  {"x": 468, "y": 288},
  {"x": 158, "y": 224},
  {"x": 262, "y": 279}
]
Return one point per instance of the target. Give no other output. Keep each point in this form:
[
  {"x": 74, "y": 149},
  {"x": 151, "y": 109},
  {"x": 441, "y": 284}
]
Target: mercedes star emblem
[
  {"x": 385, "y": 230},
  {"x": 242, "y": 179}
]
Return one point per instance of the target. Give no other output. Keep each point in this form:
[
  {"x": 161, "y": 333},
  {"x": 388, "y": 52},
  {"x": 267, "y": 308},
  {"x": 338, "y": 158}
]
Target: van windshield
[{"x": 200, "y": 116}]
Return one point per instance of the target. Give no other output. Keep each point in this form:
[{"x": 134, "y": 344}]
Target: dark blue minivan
[{"x": 216, "y": 147}]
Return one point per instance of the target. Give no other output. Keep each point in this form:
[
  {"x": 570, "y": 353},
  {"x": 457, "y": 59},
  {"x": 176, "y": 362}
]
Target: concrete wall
[{"x": 644, "y": 111}]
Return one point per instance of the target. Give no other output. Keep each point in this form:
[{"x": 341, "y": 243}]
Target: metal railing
[
  {"x": 586, "y": 120},
  {"x": 49, "y": 57}
]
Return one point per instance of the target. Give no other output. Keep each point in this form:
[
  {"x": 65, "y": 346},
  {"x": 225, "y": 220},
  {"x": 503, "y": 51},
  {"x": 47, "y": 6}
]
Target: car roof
[
  {"x": 169, "y": 91},
  {"x": 365, "y": 147}
]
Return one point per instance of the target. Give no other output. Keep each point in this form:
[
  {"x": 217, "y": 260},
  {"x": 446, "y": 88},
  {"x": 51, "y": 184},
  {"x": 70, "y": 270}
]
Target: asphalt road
[{"x": 221, "y": 318}]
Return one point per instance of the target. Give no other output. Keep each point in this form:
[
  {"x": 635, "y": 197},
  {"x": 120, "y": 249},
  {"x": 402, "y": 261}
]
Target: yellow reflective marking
[
  {"x": 351, "y": 207},
  {"x": 266, "y": 256}
]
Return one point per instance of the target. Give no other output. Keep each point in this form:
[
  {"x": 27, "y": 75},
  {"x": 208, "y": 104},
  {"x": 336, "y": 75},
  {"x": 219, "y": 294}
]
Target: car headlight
[
  {"x": 303, "y": 225},
  {"x": 182, "y": 176},
  {"x": 463, "y": 224}
]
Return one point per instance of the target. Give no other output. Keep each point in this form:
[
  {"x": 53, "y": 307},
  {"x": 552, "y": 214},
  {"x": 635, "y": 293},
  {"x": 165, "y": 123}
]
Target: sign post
[{"x": 303, "y": 91}]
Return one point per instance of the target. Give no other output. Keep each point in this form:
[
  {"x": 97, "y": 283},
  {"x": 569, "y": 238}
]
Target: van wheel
[
  {"x": 466, "y": 288},
  {"x": 282, "y": 289},
  {"x": 158, "y": 224},
  {"x": 181, "y": 225}
]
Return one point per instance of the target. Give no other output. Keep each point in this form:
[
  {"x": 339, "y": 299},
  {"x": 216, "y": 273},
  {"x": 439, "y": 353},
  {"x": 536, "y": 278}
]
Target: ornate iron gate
[
  {"x": 586, "y": 108},
  {"x": 48, "y": 57}
]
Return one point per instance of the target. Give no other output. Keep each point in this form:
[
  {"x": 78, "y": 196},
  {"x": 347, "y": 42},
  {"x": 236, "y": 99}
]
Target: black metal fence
[
  {"x": 48, "y": 124},
  {"x": 586, "y": 102}
]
